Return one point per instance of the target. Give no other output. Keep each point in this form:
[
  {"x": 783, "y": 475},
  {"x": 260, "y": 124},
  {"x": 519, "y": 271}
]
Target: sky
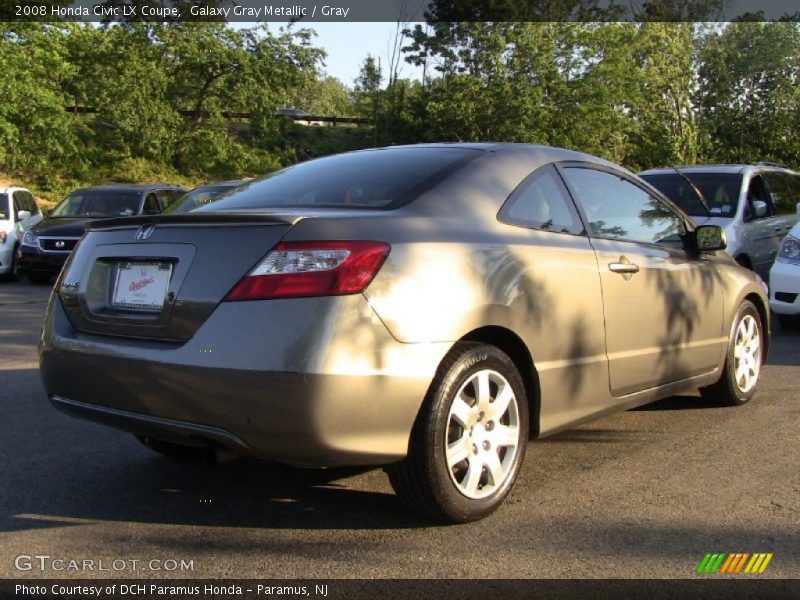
[{"x": 348, "y": 44}]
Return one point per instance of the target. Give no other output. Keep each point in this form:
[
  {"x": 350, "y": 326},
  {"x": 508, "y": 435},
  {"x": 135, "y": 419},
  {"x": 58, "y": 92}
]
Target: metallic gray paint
[{"x": 331, "y": 381}]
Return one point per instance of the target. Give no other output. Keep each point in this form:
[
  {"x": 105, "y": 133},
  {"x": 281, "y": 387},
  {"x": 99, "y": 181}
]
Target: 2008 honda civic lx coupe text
[{"x": 426, "y": 308}]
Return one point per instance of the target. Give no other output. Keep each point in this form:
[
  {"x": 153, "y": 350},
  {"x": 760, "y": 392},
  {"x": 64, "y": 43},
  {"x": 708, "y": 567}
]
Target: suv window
[
  {"x": 617, "y": 208},
  {"x": 151, "y": 204},
  {"x": 31, "y": 203},
  {"x": 757, "y": 192},
  {"x": 785, "y": 191},
  {"x": 20, "y": 203},
  {"x": 5, "y": 209},
  {"x": 542, "y": 202},
  {"x": 165, "y": 198},
  {"x": 720, "y": 190}
]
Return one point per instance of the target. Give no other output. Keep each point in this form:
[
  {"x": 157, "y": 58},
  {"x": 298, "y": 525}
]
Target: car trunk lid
[{"x": 160, "y": 277}]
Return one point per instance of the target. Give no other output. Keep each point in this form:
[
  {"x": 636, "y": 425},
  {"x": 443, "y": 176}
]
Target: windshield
[
  {"x": 370, "y": 179},
  {"x": 98, "y": 204},
  {"x": 721, "y": 191},
  {"x": 196, "y": 198},
  {"x": 5, "y": 211}
]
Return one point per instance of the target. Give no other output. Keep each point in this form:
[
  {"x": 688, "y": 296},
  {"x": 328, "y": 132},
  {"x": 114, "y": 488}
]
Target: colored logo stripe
[{"x": 734, "y": 563}]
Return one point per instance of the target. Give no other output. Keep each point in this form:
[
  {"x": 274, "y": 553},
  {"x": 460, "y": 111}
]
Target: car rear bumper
[
  {"x": 784, "y": 288},
  {"x": 314, "y": 382}
]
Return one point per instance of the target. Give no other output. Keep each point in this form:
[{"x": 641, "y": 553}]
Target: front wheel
[
  {"x": 469, "y": 440},
  {"x": 743, "y": 360}
]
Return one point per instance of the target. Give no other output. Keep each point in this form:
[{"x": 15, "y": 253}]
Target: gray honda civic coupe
[{"x": 427, "y": 308}]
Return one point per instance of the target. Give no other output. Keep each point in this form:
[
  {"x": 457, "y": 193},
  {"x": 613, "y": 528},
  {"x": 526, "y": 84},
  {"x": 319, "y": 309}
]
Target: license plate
[{"x": 141, "y": 286}]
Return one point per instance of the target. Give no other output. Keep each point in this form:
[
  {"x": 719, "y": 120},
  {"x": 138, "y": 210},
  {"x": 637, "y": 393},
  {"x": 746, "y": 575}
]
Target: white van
[
  {"x": 18, "y": 213},
  {"x": 757, "y": 205}
]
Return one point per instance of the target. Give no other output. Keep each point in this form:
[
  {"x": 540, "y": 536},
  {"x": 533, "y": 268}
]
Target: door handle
[{"x": 623, "y": 267}]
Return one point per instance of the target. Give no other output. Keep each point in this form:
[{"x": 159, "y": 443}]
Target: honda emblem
[{"x": 145, "y": 231}]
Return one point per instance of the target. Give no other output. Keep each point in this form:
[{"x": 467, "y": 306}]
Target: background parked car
[
  {"x": 18, "y": 213},
  {"x": 784, "y": 278},
  {"x": 200, "y": 196},
  {"x": 756, "y": 205},
  {"x": 427, "y": 308},
  {"x": 45, "y": 247}
]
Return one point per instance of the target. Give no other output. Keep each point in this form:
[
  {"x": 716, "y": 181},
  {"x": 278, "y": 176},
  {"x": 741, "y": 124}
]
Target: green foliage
[{"x": 165, "y": 96}]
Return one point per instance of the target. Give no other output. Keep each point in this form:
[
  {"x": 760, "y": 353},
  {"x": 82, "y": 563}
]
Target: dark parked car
[
  {"x": 428, "y": 308},
  {"x": 202, "y": 195},
  {"x": 46, "y": 246}
]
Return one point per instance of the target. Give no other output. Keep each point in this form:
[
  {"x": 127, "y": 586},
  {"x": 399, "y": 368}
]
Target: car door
[
  {"x": 762, "y": 233},
  {"x": 784, "y": 190},
  {"x": 663, "y": 308}
]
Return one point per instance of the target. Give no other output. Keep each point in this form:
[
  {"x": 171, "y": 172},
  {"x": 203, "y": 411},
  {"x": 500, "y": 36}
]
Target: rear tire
[
  {"x": 468, "y": 442},
  {"x": 790, "y": 322},
  {"x": 177, "y": 451},
  {"x": 743, "y": 360}
]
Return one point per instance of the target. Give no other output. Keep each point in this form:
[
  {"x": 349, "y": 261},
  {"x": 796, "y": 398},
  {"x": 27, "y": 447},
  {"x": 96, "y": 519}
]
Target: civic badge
[
  {"x": 145, "y": 231},
  {"x": 60, "y": 244}
]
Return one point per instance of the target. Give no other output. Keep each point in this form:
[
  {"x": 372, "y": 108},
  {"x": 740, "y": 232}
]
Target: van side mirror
[
  {"x": 759, "y": 209},
  {"x": 23, "y": 214},
  {"x": 709, "y": 238}
]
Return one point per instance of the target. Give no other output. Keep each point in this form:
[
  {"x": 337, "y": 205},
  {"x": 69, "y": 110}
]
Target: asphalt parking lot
[{"x": 644, "y": 493}]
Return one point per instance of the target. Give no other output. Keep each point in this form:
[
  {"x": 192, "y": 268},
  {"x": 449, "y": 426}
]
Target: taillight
[
  {"x": 302, "y": 269},
  {"x": 3, "y": 237}
]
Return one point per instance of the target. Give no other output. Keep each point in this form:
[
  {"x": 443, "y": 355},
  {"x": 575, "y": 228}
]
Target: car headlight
[
  {"x": 29, "y": 239},
  {"x": 790, "y": 250}
]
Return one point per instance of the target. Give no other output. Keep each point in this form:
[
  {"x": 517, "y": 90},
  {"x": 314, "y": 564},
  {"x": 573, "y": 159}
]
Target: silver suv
[
  {"x": 757, "y": 205},
  {"x": 18, "y": 213}
]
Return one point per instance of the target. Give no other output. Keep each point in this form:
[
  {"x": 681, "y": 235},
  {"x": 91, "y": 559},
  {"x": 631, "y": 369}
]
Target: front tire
[
  {"x": 743, "y": 360},
  {"x": 468, "y": 442}
]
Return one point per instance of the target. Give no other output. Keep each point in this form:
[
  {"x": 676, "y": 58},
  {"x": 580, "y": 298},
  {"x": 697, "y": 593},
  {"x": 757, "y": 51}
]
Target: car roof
[
  {"x": 130, "y": 187},
  {"x": 728, "y": 168},
  {"x": 554, "y": 153}
]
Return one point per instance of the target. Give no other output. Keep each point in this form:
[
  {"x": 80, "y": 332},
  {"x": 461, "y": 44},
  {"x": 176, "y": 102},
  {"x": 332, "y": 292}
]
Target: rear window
[
  {"x": 382, "y": 179},
  {"x": 98, "y": 204},
  {"x": 5, "y": 207},
  {"x": 721, "y": 191},
  {"x": 196, "y": 198}
]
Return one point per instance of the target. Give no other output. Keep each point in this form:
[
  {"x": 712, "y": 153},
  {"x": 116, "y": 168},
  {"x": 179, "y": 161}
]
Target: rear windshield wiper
[{"x": 697, "y": 191}]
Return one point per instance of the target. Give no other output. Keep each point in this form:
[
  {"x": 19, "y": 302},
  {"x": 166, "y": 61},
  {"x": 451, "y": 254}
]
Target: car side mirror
[
  {"x": 759, "y": 209},
  {"x": 709, "y": 238},
  {"x": 23, "y": 214}
]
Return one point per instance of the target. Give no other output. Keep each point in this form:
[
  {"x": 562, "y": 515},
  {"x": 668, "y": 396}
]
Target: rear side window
[
  {"x": 381, "y": 179},
  {"x": 5, "y": 208},
  {"x": 542, "y": 202},
  {"x": 616, "y": 208},
  {"x": 785, "y": 191}
]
